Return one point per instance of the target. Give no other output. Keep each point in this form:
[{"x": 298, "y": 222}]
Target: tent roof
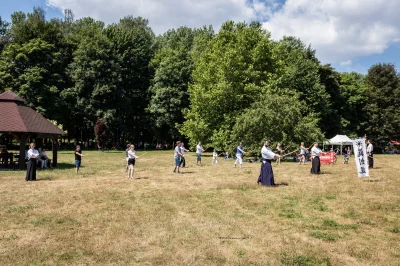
[
  {"x": 17, "y": 117},
  {"x": 339, "y": 140}
]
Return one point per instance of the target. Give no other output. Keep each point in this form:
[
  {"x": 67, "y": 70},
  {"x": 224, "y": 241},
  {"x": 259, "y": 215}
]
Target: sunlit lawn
[{"x": 210, "y": 215}]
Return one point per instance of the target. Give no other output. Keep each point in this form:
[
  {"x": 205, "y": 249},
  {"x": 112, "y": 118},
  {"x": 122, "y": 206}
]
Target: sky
[{"x": 351, "y": 35}]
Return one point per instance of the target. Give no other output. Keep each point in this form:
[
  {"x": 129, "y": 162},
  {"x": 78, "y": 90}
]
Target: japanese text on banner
[{"x": 361, "y": 158}]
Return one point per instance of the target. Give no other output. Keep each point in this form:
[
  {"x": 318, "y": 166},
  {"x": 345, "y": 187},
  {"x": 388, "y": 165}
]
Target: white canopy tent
[{"x": 339, "y": 140}]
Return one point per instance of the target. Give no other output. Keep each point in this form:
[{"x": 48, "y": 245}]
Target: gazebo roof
[{"x": 15, "y": 116}]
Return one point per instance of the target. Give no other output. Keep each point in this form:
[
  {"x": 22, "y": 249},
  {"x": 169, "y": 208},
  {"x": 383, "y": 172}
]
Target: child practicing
[
  {"x": 78, "y": 158},
  {"x": 239, "y": 155},
  {"x": 215, "y": 157},
  {"x": 131, "y": 160}
]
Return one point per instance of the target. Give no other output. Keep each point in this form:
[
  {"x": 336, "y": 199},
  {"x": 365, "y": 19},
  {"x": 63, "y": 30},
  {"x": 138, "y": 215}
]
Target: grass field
[{"x": 210, "y": 215}]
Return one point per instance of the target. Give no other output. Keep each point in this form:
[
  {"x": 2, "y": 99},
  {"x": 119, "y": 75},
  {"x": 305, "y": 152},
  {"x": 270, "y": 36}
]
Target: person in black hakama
[
  {"x": 370, "y": 153},
  {"x": 316, "y": 163},
  {"x": 266, "y": 177},
  {"x": 31, "y": 166}
]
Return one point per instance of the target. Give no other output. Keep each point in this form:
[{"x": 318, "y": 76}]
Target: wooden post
[
  {"x": 21, "y": 159},
  {"x": 55, "y": 148}
]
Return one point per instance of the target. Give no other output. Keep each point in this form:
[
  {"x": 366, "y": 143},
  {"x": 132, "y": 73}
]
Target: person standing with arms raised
[
  {"x": 199, "y": 151},
  {"x": 33, "y": 155},
  {"x": 239, "y": 155},
  {"x": 266, "y": 177},
  {"x": 370, "y": 154}
]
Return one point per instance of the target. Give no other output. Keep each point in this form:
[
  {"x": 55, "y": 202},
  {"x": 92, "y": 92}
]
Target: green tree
[
  {"x": 27, "y": 70},
  {"x": 383, "y": 102},
  {"x": 173, "y": 67},
  {"x": 227, "y": 78},
  {"x": 300, "y": 71},
  {"x": 332, "y": 116},
  {"x": 353, "y": 95},
  {"x": 94, "y": 73},
  {"x": 4, "y": 33},
  {"x": 133, "y": 47},
  {"x": 278, "y": 119}
]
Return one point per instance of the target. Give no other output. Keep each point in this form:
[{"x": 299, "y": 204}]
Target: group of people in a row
[{"x": 266, "y": 176}]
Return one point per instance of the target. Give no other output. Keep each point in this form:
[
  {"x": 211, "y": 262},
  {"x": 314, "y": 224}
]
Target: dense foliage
[{"x": 219, "y": 88}]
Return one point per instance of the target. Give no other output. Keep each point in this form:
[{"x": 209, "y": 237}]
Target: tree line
[{"x": 195, "y": 84}]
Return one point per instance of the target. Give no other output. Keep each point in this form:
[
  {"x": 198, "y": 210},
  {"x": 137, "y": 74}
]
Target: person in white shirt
[
  {"x": 239, "y": 155},
  {"x": 199, "y": 151},
  {"x": 370, "y": 154},
  {"x": 316, "y": 163},
  {"x": 215, "y": 157},
  {"x": 303, "y": 152},
  {"x": 33, "y": 155},
  {"x": 131, "y": 160},
  {"x": 266, "y": 177},
  {"x": 183, "y": 150},
  {"x": 177, "y": 156}
]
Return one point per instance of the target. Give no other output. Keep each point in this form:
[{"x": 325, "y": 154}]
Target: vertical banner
[{"x": 360, "y": 154}]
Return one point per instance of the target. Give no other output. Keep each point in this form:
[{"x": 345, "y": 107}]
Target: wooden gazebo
[{"x": 22, "y": 122}]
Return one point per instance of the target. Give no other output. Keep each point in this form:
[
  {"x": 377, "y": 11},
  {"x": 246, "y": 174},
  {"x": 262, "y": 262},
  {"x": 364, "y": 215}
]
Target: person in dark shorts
[
  {"x": 78, "y": 158},
  {"x": 131, "y": 160}
]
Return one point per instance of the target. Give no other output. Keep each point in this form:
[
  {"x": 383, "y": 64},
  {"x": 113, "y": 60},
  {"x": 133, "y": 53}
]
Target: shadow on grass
[
  {"x": 370, "y": 180},
  {"x": 44, "y": 179},
  {"x": 63, "y": 166},
  {"x": 282, "y": 184},
  {"x": 325, "y": 173}
]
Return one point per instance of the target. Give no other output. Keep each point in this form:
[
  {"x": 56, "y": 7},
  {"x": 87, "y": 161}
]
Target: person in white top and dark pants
[
  {"x": 370, "y": 153},
  {"x": 266, "y": 177},
  {"x": 33, "y": 155},
  {"x": 316, "y": 163}
]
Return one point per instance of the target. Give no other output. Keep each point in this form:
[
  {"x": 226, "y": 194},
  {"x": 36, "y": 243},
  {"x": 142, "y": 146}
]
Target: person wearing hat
[
  {"x": 266, "y": 177},
  {"x": 316, "y": 164}
]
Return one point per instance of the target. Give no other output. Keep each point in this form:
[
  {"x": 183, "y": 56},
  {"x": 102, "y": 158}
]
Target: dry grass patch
[{"x": 210, "y": 215}]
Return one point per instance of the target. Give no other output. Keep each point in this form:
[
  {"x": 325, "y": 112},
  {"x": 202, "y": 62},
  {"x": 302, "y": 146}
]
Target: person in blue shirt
[{"x": 239, "y": 155}]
